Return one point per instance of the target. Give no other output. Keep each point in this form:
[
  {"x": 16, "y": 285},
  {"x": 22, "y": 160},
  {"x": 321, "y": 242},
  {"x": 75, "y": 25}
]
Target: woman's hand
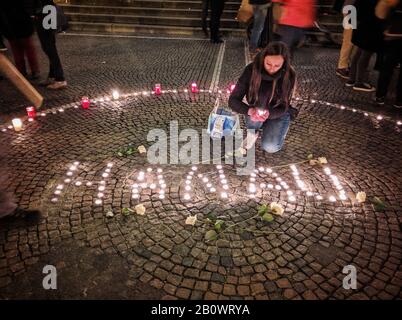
[{"x": 258, "y": 114}]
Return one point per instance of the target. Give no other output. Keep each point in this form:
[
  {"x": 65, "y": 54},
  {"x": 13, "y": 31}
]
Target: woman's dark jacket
[
  {"x": 369, "y": 33},
  {"x": 276, "y": 108},
  {"x": 15, "y": 19}
]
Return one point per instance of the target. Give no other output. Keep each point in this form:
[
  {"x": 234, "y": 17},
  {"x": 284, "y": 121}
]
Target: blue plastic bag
[{"x": 222, "y": 122}]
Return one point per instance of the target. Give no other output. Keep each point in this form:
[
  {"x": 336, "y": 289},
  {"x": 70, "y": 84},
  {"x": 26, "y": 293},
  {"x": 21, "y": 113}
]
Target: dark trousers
[
  {"x": 47, "y": 40},
  {"x": 216, "y": 13},
  {"x": 204, "y": 14},
  {"x": 291, "y": 35},
  {"x": 392, "y": 56},
  {"x": 22, "y": 48},
  {"x": 359, "y": 66}
]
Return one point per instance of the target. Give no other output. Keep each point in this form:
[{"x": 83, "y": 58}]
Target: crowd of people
[{"x": 19, "y": 19}]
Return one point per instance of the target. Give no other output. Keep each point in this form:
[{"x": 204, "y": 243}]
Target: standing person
[
  {"x": 268, "y": 83},
  {"x": 216, "y": 13},
  {"x": 18, "y": 29},
  {"x": 297, "y": 16},
  {"x": 391, "y": 10},
  {"x": 260, "y": 10},
  {"x": 47, "y": 38},
  {"x": 368, "y": 39},
  {"x": 204, "y": 16},
  {"x": 345, "y": 55}
]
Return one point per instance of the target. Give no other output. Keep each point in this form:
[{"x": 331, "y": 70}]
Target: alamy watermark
[
  {"x": 350, "y": 281},
  {"x": 50, "y": 280},
  {"x": 166, "y": 149},
  {"x": 349, "y": 17}
]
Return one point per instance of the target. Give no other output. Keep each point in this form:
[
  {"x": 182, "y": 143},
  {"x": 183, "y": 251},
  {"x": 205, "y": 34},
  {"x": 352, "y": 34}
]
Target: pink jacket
[{"x": 297, "y": 13}]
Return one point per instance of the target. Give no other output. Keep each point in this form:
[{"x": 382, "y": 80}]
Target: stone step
[
  {"x": 147, "y": 20},
  {"x": 229, "y": 5},
  {"x": 154, "y": 30},
  {"x": 171, "y": 12}
]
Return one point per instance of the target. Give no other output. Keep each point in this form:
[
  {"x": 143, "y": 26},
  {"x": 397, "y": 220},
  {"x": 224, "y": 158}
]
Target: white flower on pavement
[
  {"x": 361, "y": 196},
  {"x": 141, "y": 149},
  {"x": 191, "y": 220},
  {"x": 277, "y": 209},
  {"x": 322, "y": 160},
  {"x": 140, "y": 209},
  {"x": 109, "y": 214}
]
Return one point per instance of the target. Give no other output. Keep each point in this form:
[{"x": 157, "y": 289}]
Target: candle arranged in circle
[{"x": 85, "y": 102}]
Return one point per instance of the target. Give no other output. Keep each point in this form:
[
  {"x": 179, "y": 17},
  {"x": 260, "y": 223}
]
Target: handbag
[
  {"x": 222, "y": 122},
  {"x": 245, "y": 13}
]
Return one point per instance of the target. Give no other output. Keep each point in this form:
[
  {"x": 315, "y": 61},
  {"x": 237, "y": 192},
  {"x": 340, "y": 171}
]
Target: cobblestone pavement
[{"x": 301, "y": 255}]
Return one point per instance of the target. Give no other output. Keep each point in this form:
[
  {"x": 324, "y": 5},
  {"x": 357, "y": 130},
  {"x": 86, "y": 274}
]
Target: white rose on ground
[
  {"x": 141, "y": 149},
  {"x": 109, "y": 214},
  {"x": 361, "y": 196},
  {"x": 277, "y": 208},
  {"x": 322, "y": 160},
  {"x": 140, "y": 209},
  {"x": 191, "y": 220}
]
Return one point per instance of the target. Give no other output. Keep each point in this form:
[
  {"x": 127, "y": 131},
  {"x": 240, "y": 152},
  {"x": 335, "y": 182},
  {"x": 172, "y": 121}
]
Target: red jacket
[{"x": 297, "y": 13}]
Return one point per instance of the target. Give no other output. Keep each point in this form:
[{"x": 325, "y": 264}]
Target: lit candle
[
  {"x": 85, "y": 102},
  {"x": 17, "y": 124},
  {"x": 194, "y": 87},
  {"x": 31, "y": 112},
  {"x": 115, "y": 94},
  {"x": 158, "y": 89}
]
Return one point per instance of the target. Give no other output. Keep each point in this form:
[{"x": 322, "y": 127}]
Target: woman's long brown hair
[{"x": 284, "y": 88}]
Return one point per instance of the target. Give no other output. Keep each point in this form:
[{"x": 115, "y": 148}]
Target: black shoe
[
  {"x": 380, "y": 100},
  {"x": 350, "y": 83},
  {"x": 217, "y": 40},
  {"x": 366, "y": 87},
  {"x": 343, "y": 73},
  {"x": 28, "y": 215}
]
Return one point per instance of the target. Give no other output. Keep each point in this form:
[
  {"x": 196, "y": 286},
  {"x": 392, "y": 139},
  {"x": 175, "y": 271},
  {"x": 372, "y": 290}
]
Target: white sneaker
[{"x": 57, "y": 85}]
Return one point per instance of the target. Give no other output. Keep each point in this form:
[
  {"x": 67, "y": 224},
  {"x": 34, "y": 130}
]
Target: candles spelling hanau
[
  {"x": 158, "y": 90},
  {"x": 31, "y": 112},
  {"x": 17, "y": 124},
  {"x": 194, "y": 87},
  {"x": 85, "y": 102}
]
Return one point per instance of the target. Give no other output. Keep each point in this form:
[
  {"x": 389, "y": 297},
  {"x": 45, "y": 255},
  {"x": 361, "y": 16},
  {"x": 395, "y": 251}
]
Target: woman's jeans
[
  {"x": 273, "y": 132},
  {"x": 260, "y": 14}
]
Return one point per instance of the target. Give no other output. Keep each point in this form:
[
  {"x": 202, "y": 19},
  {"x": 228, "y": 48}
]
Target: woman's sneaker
[
  {"x": 46, "y": 82},
  {"x": 57, "y": 85},
  {"x": 343, "y": 73},
  {"x": 350, "y": 83},
  {"x": 366, "y": 87},
  {"x": 380, "y": 100}
]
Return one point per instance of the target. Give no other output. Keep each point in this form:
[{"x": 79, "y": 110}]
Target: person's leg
[
  {"x": 362, "y": 66},
  {"x": 399, "y": 83},
  {"x": 287, "y": 35},
  {"x": 204, "y": 15},
  {"x": 216, "y": 12},
  {"x": 390, "y": 59},
  {"x": 353, "y": 66},
  {"x": 17, "y": 49},
  {"x": 31, "y": 55},
  {"x": 260, "y": 14},
  {"x": 346, "y": 49},
  {"x": 274, "y": 133}
]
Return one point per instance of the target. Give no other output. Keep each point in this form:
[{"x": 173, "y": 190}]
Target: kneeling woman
[{"x": 268, "y": 85}]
